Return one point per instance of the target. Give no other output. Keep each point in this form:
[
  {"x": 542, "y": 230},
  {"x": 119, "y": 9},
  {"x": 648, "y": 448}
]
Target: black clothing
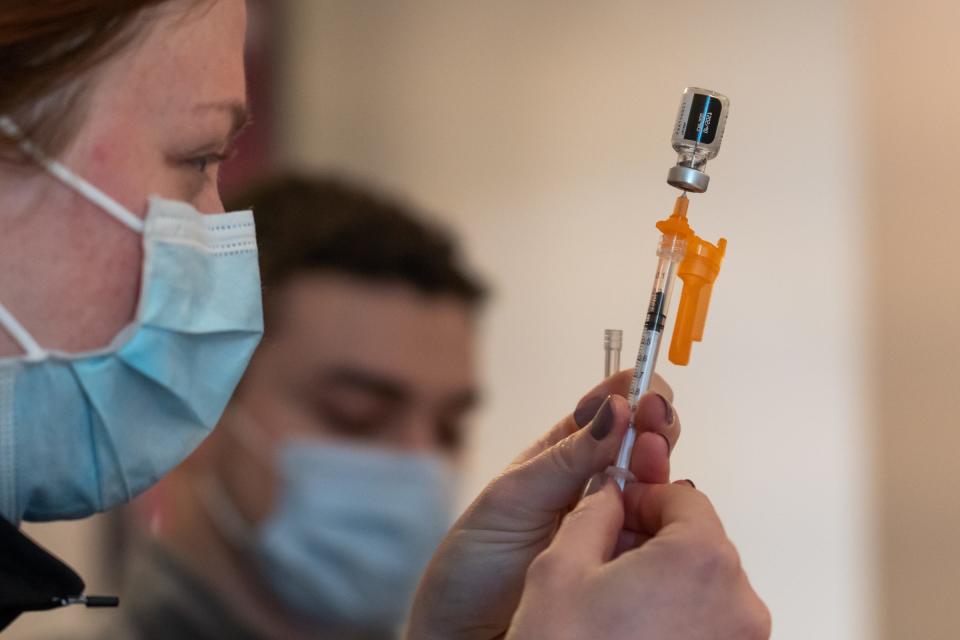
[{"x": 30, "y": 578}]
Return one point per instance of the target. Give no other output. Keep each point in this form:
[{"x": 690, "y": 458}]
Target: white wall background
[{"x": 540, "y": 131}]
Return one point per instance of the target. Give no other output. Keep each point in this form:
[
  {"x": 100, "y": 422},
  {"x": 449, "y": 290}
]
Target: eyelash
[{"x": 202, "y": 163}]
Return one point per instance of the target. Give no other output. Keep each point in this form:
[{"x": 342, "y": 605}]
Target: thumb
[
  {"x": 589, "y": 533},
  {"x": 670, "y": 509},
  {"x": 553, "y": 479}
]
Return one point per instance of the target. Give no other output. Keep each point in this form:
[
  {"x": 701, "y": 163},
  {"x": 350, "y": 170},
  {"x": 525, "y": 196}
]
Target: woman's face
[{"x": 161, "y": 115}]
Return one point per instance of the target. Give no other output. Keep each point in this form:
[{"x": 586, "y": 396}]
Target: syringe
[
  {"x": 671, "y": 251},
  {"x": 696, "y": 138}
]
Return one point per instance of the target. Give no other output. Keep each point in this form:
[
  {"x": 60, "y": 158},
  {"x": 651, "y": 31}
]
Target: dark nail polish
[
  {"x": 668, "y": 409},
  {"x": 586, "y": 410},
  {"x": 603, "y": 422}
]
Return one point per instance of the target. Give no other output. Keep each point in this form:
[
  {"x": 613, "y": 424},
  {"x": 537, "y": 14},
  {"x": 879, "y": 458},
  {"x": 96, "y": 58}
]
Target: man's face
[{"x": 350, "y": 361}]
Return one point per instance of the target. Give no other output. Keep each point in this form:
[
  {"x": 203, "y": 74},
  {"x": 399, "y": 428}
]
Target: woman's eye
[{"x": 204, "y": 162}]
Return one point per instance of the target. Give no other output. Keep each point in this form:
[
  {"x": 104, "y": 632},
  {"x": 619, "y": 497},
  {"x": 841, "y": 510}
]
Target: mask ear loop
[
  {"x": 246, "y": 430},
  {"x": 213, "y": 494},
  {"x": 75, "y": 182},
  {"x": 34, "y": 352},
  {"x": 222, "y": 511}
]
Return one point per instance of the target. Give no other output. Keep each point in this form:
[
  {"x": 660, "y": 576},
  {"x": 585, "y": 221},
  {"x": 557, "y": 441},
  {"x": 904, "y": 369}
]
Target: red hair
[{"x": 48, "y": 49}]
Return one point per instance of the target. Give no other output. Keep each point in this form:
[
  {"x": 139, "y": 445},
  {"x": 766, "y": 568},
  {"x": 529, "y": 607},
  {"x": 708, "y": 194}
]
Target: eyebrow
[
  {"x": 379, "y": 385},
  {"x": 238, "y": 111},
  {"x": 391, "y": 390},
  {"x": 463, "y": 401}
]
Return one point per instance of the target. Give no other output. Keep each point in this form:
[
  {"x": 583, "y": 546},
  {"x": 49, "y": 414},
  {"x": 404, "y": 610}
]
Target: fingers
[
  {"x": 589, "y": 533},
  {"x": 677, "y": 525},
  {"x": 659, "y": 386},
  {"x": 658, "y": 431},
  {"x": 552, "y": 479},
  {"x": 656, "y": 414},
  {"x": 653, "y": 508},
  {"x": 650, "y": 461},
  {"x": 627, "y": 541},
  {"x": 617, "y": 384},
  {"x": 756, "y": 619}
]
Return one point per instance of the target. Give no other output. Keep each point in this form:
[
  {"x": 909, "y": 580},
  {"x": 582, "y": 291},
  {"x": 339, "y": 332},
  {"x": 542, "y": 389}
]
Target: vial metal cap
[{"x": 688, "y": 179}]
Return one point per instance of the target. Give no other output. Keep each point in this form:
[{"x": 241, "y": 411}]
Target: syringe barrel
[{"x": 670, "y": 251}]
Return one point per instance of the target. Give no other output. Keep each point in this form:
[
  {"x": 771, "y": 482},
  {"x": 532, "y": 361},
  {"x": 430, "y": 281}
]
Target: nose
[
  {"x": 210, "y": 202},
  {"x": 417, "y": 433}
]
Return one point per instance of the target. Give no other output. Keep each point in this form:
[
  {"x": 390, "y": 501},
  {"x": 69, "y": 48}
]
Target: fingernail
[
  {"x": 689, "y": 482},
  {"x": 586, "y": 410},
  {"x": 665, "y": 439},
  {"x": 668, "y": 409},
  {"x": 603, "y": 422}
]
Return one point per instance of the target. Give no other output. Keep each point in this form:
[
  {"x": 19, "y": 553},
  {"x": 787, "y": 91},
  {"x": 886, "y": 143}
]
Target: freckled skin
[{"x": 70, "y": 273}]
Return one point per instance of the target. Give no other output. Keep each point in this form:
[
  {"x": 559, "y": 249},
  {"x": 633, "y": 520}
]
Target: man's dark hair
[{"x": 326, "y": 223}]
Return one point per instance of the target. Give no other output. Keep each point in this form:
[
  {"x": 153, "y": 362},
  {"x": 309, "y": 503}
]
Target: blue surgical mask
[
  {"x": 352, "y": 530},
  {"x": 82, "y": 432}
]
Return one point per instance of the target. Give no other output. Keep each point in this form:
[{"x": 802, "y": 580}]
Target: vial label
[{"x": 702, "y": 119}]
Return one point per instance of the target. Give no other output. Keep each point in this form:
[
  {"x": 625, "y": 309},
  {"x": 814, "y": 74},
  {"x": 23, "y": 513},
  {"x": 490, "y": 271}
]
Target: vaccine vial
[{"x": 697, "y": 137}]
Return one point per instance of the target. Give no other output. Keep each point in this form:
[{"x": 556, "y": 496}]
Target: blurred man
[{"x": 313, "y": 508}]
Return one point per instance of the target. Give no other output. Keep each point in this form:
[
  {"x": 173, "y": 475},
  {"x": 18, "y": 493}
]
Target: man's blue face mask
[
  {"x": 351, "y": 530},
  {"x": 80, "y": 433}
]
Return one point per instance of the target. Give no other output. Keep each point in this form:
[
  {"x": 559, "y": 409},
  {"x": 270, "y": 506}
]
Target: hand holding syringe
[{"x": 696, "y": 138}]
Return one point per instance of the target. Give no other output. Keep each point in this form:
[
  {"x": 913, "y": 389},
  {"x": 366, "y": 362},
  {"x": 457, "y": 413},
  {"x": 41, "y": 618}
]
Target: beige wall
[
  {"x": 911, "y": 106},
  {"x": 540, "y": 130},
  {"x": 83, "y": 544}
]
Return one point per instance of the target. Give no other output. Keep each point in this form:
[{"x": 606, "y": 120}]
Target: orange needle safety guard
[{"x": 698, "y": 271}]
